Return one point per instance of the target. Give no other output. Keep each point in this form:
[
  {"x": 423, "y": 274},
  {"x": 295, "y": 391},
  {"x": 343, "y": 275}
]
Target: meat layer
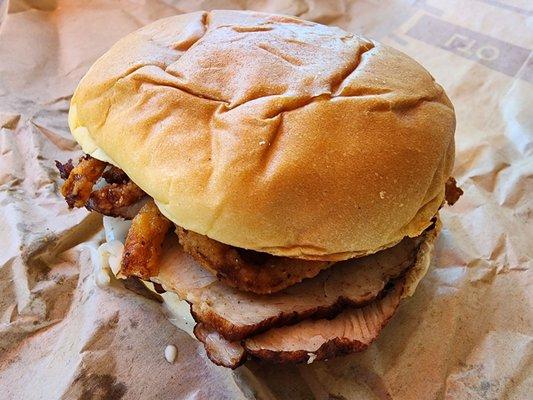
[
  {"x": 246, "y": 269},
  {"x": 219, "y": 350},
  {"x": 351, "y": 331},
  {"x": 237, "y": 314}
]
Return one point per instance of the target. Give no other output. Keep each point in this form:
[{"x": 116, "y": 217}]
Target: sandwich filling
[
  {"x": 244, "y": 269},
  {"x": 248, "y": 303}
]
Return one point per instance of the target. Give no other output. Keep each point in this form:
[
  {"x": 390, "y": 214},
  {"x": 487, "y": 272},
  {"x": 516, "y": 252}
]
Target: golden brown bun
[{"x": 272, "y": 133}]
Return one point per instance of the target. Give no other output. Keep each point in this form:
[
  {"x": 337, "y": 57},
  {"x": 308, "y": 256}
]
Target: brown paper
[{"x": 467, "y": 332}]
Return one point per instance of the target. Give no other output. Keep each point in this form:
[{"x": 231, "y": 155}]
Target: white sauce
[
  {"x": 179, "y": 311},
  {"x": 102, "y": 278},
  {"x": 116, "y": 229},
  {"x": 312, "y": 357},
  {"x": 107, "y": 261},
  {"x": 171, "y": 353},
  {"x": 111, "y": 255},
  {"x": 100, "y": 268}
]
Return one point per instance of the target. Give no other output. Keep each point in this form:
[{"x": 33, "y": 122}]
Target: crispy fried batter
[
  {"x": 65, "y": 169},
  {"x": 245, "y": 269},
  {"x": 143, "y": 243},
  {"x": 453, "y": 192},
  {"x": 113, "y": 198},
  {"x": 81, "y": 179},
  {"x": 115, "y": 175}
]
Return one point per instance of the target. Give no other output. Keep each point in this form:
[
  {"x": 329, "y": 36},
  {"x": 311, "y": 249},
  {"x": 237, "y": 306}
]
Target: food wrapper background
[{"x": 466, "y": 333}]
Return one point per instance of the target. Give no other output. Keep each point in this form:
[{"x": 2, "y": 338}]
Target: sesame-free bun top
[{"x": 271, "y": 133}]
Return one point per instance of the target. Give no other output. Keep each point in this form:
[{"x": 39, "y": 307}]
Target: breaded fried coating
[
  {"x": 113, "y": 198},
  {"x": 64, "y": 169},
  {"x": 143, "y": 243},
  {"x": 81, "y": 179},
  {"x": 115, "y": 175},
  {"x": 245, "y": 269}
]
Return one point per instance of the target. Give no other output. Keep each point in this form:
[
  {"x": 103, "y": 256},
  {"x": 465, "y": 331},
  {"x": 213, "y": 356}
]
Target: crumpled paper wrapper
[{"x": 467, "y": 332}]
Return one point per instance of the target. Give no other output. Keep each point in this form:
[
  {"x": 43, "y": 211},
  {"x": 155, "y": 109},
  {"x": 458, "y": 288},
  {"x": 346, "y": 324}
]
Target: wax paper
[{"x": 466, "y": 333}]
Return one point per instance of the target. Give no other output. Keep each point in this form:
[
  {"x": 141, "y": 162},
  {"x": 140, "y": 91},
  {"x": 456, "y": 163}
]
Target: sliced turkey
[
  {"x": 351, "y": 331},
  {"x": 219, "y": 350},
  {"x": 236, "y": 314}
]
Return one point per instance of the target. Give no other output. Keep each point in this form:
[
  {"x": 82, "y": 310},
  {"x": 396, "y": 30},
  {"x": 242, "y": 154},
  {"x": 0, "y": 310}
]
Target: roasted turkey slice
[
  {"x": 351, "y": 331},
  {"x": 237, "y": 314}
]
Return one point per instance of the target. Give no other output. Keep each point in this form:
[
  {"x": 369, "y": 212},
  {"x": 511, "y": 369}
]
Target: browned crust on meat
[
  {"x": 115, "y": 175},
  {"x": 64, "y": 169},
  {"x": 200, "y": 331},
  {"x": 80, "y": 181},
  {"x": 113, "y": 198},
  {"x": 235, "y": 332},
  {"x": 247, "y": 270},
  {"x": 452, "y": 191},
  {"x": 143, "y": 243},
  {"x": 332, "y": 348},
  {"x": 405, "y": 260}
]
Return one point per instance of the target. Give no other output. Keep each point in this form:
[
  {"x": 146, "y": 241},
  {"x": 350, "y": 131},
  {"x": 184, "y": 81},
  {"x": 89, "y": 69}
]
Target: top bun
[{"x": 272, "y": 133}]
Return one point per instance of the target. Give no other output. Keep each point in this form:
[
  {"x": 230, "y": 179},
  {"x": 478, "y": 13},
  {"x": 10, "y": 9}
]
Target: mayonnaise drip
[{"x": 106, "y": 260}]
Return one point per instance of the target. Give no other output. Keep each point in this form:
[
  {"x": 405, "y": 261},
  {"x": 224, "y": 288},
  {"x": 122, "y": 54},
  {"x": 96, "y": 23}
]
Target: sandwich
[{"x": 281, "y": 178}]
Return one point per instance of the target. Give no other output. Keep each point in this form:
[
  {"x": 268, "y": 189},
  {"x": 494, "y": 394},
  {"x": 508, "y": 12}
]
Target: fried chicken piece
[
  {"x": 452, "y": 191},
  {"x": 143, "y": 243},
  {"x": 115, "y": 175},
  {"x": 64, "y": 169},
  {"x": 80, "y": 180},
  {"x": 246, "y": 269},
  {"x": 112, "y": 199}
]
